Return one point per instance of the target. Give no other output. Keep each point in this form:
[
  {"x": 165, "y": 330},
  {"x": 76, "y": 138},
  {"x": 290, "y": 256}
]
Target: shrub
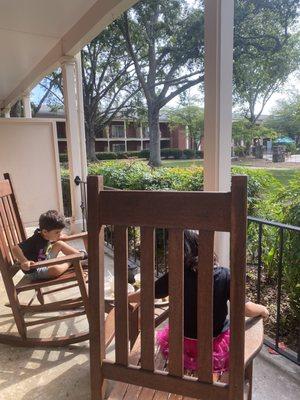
[
  {"x": 138, "y": 175},
  {"x": 189, "y": 153},
  {"x": 290, "y": 148},
  {"x": 240, "y": 151},
  {"x": 290, "y": 198},
  {"x": 133, "y": 154},
  {"x": 122, "y": 155},
  {"x": 144, "y": 154},
  {"x": 106, "y": 155},
  {"x": 171, "y": 153},
  {"x": 199, "y": 154},
  {"x": 63, "y": 157}
]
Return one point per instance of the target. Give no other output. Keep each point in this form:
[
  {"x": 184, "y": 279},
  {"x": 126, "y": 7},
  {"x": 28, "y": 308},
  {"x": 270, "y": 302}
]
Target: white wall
[{"x": 29, "y": 153}]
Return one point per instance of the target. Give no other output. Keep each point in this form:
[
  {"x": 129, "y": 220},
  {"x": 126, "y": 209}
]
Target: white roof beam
[{"x": 100, "y": 15}]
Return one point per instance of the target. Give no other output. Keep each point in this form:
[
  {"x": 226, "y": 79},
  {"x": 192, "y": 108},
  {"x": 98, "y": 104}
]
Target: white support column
[
  {"x": 187, "y": 137},
  {"x": 218, "y": 104},
  {"x": 125, "y": 134},
  {"x": 141, "y": 135},
  {"x": 108, "y": 141},
  {"x": 6, "y": 113},
  {"x": 84, "y": 169},
  {"x": 26, "y": 105},
  {"x": 75, "y": 135}
]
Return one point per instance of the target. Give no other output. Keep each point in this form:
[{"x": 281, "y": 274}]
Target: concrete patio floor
[{"x": 63, "y": 373}]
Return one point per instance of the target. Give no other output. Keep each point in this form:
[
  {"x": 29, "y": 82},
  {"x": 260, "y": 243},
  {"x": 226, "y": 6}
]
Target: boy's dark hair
[{"x": 51, "y": 220}]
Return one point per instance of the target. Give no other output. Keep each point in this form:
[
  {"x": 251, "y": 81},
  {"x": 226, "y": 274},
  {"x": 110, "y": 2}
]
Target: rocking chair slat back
[
  {"x": 175, "y": 262},
  {"x": 147, "y": 298},
  {"x": 205, "y": 302},
  {"x": 205, "y": 212},
  {"x": 121, "y": 287},
  {"x": 12, "y": 230}
]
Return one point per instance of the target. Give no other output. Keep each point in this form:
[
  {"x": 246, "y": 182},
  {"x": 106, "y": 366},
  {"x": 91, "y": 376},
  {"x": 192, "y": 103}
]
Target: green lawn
[
  {"x": 282, "y": 174},
  {"x": 182, "y": 163}
]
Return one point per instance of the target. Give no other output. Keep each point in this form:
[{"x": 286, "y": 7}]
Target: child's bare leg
[
  {"x": 55, "y": 271},
  {"x": 64, "y": 248}
]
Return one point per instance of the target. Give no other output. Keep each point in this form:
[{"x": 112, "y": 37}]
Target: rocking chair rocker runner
[
  {"x": 12, "y": 232},
  {"x": 139, "y": 373}
]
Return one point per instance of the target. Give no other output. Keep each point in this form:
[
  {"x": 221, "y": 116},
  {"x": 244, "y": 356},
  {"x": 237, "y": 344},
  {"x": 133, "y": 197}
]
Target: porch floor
[{"x": 63, "y": 373}]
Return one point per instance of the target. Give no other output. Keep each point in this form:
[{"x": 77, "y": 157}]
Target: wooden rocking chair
[
  {"x": 139, "y": 373},
  {"x": 12, "y": 232}
]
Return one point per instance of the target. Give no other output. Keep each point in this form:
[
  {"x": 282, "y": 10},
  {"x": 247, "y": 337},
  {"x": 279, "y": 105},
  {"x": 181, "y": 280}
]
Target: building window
[
  {"x": 118, "y": 148},
  {"x": 146, "y": 131},
  {"x": 117, "y": 131}
]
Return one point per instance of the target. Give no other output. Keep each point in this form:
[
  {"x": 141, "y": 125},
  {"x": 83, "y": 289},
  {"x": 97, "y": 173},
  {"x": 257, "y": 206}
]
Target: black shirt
[
  {"x": 35, "y": 248},
  {"x": 221, "y": 295}
]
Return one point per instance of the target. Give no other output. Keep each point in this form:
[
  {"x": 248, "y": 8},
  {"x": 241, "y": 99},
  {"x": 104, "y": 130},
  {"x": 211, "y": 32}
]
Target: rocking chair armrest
[
  {"x": 59, "y": 260},
  {"x": 109, "y": 325},
  {"x": 133, "y": 306},
  {"x": 74, "y": 236},
  {"x": 254, "y": 337}
]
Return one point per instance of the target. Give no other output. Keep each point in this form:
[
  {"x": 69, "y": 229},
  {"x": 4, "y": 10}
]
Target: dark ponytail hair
[
  {"x": 191, "y": 249},
  {"x": 191, "y": 239}
]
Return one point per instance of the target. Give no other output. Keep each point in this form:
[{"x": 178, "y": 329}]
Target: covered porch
[{"x": 64, "y": 373}]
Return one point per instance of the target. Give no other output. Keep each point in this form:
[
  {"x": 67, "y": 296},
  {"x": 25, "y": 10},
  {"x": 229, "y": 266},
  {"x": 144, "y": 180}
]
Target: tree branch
[{"x": 181, "y": 89}]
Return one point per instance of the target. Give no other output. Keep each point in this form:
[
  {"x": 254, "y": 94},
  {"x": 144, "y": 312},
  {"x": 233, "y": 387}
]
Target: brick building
[{"x": 122, "y": 135}]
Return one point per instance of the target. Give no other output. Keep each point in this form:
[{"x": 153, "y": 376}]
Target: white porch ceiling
[{"x": 36, "y": 34}]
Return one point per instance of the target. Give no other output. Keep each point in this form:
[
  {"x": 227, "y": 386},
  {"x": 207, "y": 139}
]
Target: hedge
[{"x": 165, "y": 153}]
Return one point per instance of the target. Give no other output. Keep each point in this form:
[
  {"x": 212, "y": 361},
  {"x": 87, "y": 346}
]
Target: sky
[{"x": 292, "y": 85}]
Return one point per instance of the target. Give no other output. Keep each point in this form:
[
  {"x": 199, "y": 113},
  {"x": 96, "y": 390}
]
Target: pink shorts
[{"x": 220, "y": 350}]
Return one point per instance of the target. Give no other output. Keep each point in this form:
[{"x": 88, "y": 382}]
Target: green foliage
[
  {"x": 191, "y": 117},
  {"x": 285, "y": 118},
  {"x": 189, "y": 153},
  {"x": 144, "y": 154},
  {"x": 290, "y": 148},
  {"x": 290, "y": 198},
  {"x": 246, "y": 131},
  {"x": 262, "y": 186},
  {"x": 107, "y": 155},
  {"x": 266, "y": 51},
  {"x": 171, "y": 153},
  {"x": 138, "y": 175},
  {"x": 199, "y": 154},
  {"x": 240, "y": 151},
  {"x": 63, "y": 158}
]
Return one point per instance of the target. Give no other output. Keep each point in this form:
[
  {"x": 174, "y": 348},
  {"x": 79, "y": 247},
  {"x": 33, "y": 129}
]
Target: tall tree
[
  {"x": 285, "y": 117},
  {"x": 52, "y": 92},
  {"x": 109, "y": 84},
  {"x": 189, "y": 115},
  {"x": 165, "y": 41},
  {"x": 266, "y": 51}
]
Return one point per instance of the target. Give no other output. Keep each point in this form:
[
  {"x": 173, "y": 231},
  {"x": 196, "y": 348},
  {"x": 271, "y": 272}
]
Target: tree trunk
[
  {"x": 154, "y": 134},
  {"x": 90, "y": 143}
]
